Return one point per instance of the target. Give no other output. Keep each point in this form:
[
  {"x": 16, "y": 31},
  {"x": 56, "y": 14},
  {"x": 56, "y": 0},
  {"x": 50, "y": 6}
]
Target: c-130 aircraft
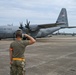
[{"x": 36, "y": 31}]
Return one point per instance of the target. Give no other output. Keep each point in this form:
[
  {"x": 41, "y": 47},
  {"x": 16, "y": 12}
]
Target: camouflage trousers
[{"x": 17, "y": 68}]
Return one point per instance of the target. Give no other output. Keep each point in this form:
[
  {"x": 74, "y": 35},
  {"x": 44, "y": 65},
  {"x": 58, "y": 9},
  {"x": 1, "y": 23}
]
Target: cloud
[{"x": 35, "y": 10}]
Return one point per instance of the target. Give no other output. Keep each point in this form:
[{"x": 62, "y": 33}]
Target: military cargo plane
[{"x": 36, "y": 31}]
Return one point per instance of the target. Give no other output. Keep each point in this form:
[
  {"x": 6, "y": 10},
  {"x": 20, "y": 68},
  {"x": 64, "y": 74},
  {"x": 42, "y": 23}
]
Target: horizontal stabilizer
[{"x": 69, "y": 27}]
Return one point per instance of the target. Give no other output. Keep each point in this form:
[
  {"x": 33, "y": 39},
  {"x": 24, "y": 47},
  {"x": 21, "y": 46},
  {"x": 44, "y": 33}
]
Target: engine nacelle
[{"x": 34, "y": 28}]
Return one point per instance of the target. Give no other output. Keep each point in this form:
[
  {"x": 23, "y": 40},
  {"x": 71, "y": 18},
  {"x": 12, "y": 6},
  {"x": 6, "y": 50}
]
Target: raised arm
[{"x": 31, "y": 39}]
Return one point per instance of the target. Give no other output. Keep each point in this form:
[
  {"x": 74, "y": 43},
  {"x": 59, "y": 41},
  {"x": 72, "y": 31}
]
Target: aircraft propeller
[
  {"x": 21, "y": 26},
  {"x": 27, "y": 24},
  {"x": 27, "y": 28}
]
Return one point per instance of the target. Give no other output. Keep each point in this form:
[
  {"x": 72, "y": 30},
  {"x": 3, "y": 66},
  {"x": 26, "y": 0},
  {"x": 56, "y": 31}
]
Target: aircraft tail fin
[{"x": 62, "y": 18}]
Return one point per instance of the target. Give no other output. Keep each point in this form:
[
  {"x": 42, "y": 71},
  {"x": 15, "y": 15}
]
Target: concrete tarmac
[{"x": 48, "y": 56}]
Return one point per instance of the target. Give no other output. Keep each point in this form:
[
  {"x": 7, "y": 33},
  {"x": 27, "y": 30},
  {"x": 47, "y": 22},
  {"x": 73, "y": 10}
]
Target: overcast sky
[{"x": 37, "y": 11}]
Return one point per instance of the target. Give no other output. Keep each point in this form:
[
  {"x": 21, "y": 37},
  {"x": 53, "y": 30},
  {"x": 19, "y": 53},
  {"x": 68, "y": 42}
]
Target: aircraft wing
[
  {"x": 49, "y": 25},
  {"x": 69, "y": 27}
]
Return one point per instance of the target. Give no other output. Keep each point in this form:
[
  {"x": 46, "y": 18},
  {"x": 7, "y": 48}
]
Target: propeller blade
[
  {"x": 21, "y": 26},
  {"x": 27, "y": 24}
]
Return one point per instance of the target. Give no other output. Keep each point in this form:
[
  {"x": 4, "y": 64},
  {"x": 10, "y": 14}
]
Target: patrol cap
[{"x": 19, "y": 33}]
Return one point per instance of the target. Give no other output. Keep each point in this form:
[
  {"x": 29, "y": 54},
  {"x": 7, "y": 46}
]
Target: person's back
[{"x": 17, "y": 49}]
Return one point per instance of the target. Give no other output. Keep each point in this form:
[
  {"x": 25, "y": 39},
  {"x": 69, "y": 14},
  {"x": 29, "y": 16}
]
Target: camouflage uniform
[{"x": 18, "y": 66}]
